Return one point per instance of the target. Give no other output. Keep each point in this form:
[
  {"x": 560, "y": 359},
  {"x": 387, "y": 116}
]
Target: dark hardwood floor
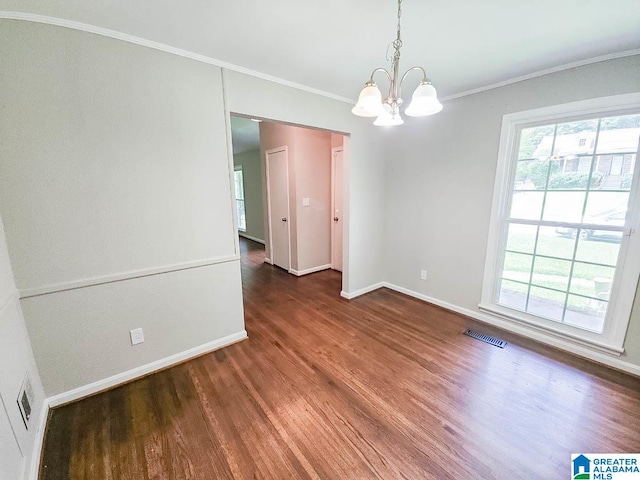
[{"x": 383, "y": 386}]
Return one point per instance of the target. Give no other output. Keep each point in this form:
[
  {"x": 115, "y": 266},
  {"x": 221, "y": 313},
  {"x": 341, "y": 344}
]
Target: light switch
[{"x": 305, "y": 202}]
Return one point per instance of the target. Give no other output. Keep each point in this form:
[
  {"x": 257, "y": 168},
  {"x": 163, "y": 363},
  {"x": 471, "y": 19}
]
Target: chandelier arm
[
  {"x": 424, "y": 78},
  {"x": 380, "y": 69},
  {"x": 424, "y": 74},
  {"x": 394, "y": 99}
]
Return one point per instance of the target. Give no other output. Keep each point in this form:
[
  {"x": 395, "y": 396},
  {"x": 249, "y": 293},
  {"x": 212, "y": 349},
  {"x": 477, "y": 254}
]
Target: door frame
[
  {"x": 269, "y": 216},
  {"x": 334, "y": 151}
]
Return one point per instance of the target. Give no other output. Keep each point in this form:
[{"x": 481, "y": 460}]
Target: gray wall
[
  {"x": 440, "y": 177},
  {"x": 253, "y": 204},
  {"x": 115, "y": 180},
  {"x": 114, "y": 165},
  {"x": 114, "y": 160},
  {"x": 364, "y": 164},
  {"x": 16, "y": 360}
]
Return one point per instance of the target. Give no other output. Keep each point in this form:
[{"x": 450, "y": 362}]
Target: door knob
[
  {"x": 335, "y": 219},
  {"x": 284, "y": 219}
]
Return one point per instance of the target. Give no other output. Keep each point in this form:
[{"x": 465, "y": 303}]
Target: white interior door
[
  {"x": 10, "y": 454},
  {"x": 337, "y": 182},
  {"x": 278, "y": 207}
]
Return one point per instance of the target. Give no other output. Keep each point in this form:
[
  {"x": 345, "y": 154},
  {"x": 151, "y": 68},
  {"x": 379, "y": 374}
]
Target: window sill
[{"x": 550, "y": 333}]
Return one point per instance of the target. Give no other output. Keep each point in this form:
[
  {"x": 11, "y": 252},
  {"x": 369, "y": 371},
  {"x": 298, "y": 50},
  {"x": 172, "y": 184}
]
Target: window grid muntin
[
  {"x": 596, "y": 158},
  {"x": 238, "y": 177}
]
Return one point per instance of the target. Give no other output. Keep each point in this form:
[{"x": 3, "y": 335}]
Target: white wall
[
  {"x": 253, "y": 202},
  {"x": 364, "y": 164},
  {"x": 114, "y": 167},
  {"x": 16, "y": 360},
  {"x": 440, "y": 177}
]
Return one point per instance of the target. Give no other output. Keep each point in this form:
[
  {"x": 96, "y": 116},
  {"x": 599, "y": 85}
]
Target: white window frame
[
  {"x": 623, "y": 290},
  {"x": 238, "y": 168}
]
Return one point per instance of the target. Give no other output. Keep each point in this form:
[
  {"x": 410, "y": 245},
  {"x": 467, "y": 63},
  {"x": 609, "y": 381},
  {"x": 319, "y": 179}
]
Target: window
[
  {"x": 239, "y": 183},
  {"x": 560, "y": 250}
]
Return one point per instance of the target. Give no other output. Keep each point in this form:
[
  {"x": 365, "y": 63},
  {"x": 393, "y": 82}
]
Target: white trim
[
  {"x": 273, "y": 151},
  {"x": 623, "y": 290},
  {"x": 84, "y": 27},
  {"x": 105, "y": 32},
  {"x": 334, "y": 153},
  {"x": 255, "y": 239},
  {"x": 230, "y": 166},
  {"x": 38, "y": 444},
  {"x": 520, "y": 329},
  {"x": 111, "y": 382},
  {"x": 124, "y": 377},
  {"x": 268, "y": 260},
  {"x": 310, "y": 270},
  {"x": 362, "y": 291},
  {"x": 525, "y": 331},
  {"x": 118, "y": 277},
  {"x": 507, "y": 315},
  {"x": 12, "y": 297},
  {"x": 546, "y": 71}
]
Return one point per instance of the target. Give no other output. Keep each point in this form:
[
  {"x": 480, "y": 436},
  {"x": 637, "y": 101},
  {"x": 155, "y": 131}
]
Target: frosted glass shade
[
  {"x": 388, "y": 119},
  {"x": 424, "y": 101},
  {"x": 369, "y": 102}
]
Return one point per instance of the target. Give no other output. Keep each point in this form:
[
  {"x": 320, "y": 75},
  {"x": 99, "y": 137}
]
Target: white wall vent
[{"x": 25, "y": 400}]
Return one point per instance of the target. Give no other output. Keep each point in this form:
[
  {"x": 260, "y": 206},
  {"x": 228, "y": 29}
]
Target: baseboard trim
[
  {"x": 38, "y": 445},
  {"x": 268, "y": 260},
  {"x": 249, "y": 237},
  {"x": 118, "y": 277},
  {"x": 581, "y": 351},
  {"x": 362, "y": 291},
  {"x": 135, "y": 373},
  {"x": 307, "y": 271}
]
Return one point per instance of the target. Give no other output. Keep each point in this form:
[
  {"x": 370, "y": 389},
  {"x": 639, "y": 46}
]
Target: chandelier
[{"x": 424, "y": 101}]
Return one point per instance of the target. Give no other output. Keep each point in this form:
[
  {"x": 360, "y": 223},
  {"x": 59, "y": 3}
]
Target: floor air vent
[{"x": 496, "y": 342}]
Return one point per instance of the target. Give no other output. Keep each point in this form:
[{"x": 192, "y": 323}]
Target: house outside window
[
  {"x": 560, "y": 254},
  {"x": 240, "y": 207}
]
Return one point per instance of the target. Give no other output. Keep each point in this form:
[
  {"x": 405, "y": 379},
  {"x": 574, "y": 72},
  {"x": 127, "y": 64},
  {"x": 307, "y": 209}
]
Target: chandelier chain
[
  {"x": 424, "y": 100},
  {"x": 398, "y": 41}
]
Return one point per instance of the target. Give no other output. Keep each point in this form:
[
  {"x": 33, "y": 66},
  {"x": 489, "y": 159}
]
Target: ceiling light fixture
[{"x": 424, "y": 101}]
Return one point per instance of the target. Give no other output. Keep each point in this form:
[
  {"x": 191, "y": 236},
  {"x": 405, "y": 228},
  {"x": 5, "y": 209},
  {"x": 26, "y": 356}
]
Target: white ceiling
[
  {"x": 333, "y": 45},
  {"x": 245, "y": 134}
]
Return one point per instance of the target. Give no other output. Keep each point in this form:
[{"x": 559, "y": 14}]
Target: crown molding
[
  {"x": 105, "y": 32},
  {"x": 85, "y": 27},
  {"x": 546, "y": 71}
]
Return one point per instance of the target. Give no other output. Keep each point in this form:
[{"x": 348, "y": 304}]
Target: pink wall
[{"x": 309, "y": 177}]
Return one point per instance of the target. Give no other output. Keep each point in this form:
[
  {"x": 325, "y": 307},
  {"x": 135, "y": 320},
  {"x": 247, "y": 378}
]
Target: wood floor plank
[{"x": 379, "y": 387}]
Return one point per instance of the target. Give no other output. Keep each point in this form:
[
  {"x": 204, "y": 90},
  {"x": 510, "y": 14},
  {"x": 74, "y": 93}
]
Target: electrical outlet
[
  {"x": 423, "y": 274},
  {"x": 306, "y": 202},
  {"x": 137, "y": 336}
]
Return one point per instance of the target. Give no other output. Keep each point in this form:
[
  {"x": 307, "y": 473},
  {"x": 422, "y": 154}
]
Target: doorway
[
  {"x": 299, "y": 199},
  {"x": 277, "y": 168},
  {"x": 337, "y": 204}
]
